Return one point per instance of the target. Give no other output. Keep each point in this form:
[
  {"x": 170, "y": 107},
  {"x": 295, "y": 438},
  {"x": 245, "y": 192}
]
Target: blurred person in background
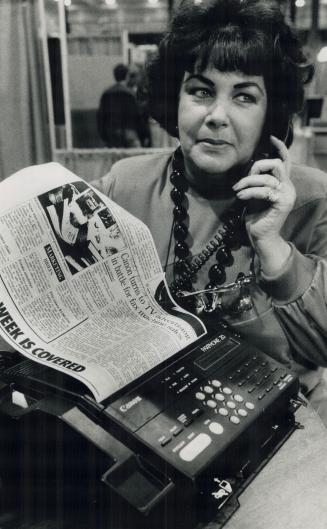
[
  {"x": 119, "y": 118},
  {"x": 135, "y": 81}
]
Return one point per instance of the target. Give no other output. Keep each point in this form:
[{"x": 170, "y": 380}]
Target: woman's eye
[
  {"x": 200, "y": 92},
  {"x": 246, "y": 98}
]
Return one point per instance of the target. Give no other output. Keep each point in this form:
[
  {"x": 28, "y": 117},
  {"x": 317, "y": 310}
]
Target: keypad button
[
  {"x": 223, "y": 412},
  {"x": 216, "y": 428},
  {"x": 182, "y": 389},
  {"x": 216, "y": 383},
  {"x": 211, "y": 404},
  {"x": 230, "y": 404},
  {"x": 238, "y": 398},
  {"x": 242, "y": 412},
  {"x": 234, "y": 419},
  {"x": 208, "y": 389},
  {"x": 177, "y": 431},
  {"x": 220, "y": 397},
  {"x": 197, "y": 412},
  {"x": 227, "y": 391},
  {"x": 195, "y": 447},
  {"x": 165, "y": 441},
  {"x": 249, "y": 405},
  {"x": 199, "y": 395}
]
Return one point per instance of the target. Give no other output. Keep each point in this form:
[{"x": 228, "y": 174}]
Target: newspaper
[{"x": 81, "y": 282}]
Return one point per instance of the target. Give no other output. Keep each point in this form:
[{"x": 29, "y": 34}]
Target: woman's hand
[{"x": 269, "y": 182}]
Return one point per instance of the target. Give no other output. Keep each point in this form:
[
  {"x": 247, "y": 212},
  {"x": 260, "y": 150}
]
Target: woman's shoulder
[
  {"x": 130, "y": 174},
  {"x": 310, "y": 183},
  {"x": 139, "y": 164}
]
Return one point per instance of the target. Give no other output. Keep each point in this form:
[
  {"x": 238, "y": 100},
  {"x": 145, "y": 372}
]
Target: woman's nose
[{"x": 217, "y": 114}]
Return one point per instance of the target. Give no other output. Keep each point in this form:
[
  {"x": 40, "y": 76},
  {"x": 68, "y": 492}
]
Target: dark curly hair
[{"x": 250, "y": 36}]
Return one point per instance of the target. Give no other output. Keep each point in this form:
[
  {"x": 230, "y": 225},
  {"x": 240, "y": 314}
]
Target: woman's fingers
[
  {"x": 278, "y": 166},
  {"x": 270, "y": 194},
  {"x": 269, "y": 180},
  {"x": 274, "y": 166},
  {"x": 281, "y": 148},
  {"x": 283, "y": 153},
  {"x": 257, "y": 180}
]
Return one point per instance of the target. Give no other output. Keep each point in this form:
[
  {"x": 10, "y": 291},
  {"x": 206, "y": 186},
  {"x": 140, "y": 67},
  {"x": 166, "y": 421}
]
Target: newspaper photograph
[{"x": 80, "y": 280}]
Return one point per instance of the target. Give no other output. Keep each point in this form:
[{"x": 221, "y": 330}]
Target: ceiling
[
  {"x": 151, "y": 15},
  {"x": 91, "y": 17}
]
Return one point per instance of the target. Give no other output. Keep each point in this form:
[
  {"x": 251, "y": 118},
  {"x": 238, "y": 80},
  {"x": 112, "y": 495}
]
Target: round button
[
  {"x": 223, "y": 412},
  {"x": 230, "y": 404},
  {"x": 211, "y": 403},
  {"x": 199, "y": 395},
  {"x": 238, "y": 398},
  {"x": 208, "y": 389},
  {"x": 216, "y": 428},
  {"x": 227, "y": 391},
  {"x": 242, "y": 412},
  {"x": 216, "y": 383},
  {"x": 249, "y": 405},
  {"x": 220, "y": 397},
  {"x": 234, "y": 419}
]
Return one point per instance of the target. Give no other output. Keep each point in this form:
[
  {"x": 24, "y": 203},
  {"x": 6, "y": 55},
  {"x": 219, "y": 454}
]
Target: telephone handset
[
  {"x": 265, "y": 150},
  {"x": 282, "y": 130}
]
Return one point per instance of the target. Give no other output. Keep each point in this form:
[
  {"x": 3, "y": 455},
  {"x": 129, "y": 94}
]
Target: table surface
[{"x": 290, "y": 492}]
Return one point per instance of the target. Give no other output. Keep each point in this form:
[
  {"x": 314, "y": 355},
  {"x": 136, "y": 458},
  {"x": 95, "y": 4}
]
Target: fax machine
[{"x": 174, "y": 448}]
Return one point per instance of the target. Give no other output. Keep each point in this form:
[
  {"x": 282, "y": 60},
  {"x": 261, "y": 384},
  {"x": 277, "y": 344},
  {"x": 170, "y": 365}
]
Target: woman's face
[{"x": 220, "y": 120}]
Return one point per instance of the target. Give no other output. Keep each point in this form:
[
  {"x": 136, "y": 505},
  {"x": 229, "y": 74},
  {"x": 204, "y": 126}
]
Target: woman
[{"x": 227, "y": 80}]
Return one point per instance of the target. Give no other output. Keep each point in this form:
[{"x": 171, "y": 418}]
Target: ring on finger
[{"x": 272, "y": 195}]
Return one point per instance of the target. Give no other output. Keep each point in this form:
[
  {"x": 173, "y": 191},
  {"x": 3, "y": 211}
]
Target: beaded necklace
[{"x": 224, "y": 241}]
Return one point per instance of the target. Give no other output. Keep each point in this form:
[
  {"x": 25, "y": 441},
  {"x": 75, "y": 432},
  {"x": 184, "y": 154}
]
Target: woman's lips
[
  {"x": 212, "y": 141},
  {"x": 214, "y": 145}
]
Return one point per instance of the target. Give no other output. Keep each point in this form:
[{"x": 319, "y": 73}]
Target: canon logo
[{"x": 125, "y": 407}]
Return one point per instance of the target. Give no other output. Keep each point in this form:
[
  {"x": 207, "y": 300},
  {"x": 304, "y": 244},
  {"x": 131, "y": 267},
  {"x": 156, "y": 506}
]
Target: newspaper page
[{"x": 80, "y": 280}]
